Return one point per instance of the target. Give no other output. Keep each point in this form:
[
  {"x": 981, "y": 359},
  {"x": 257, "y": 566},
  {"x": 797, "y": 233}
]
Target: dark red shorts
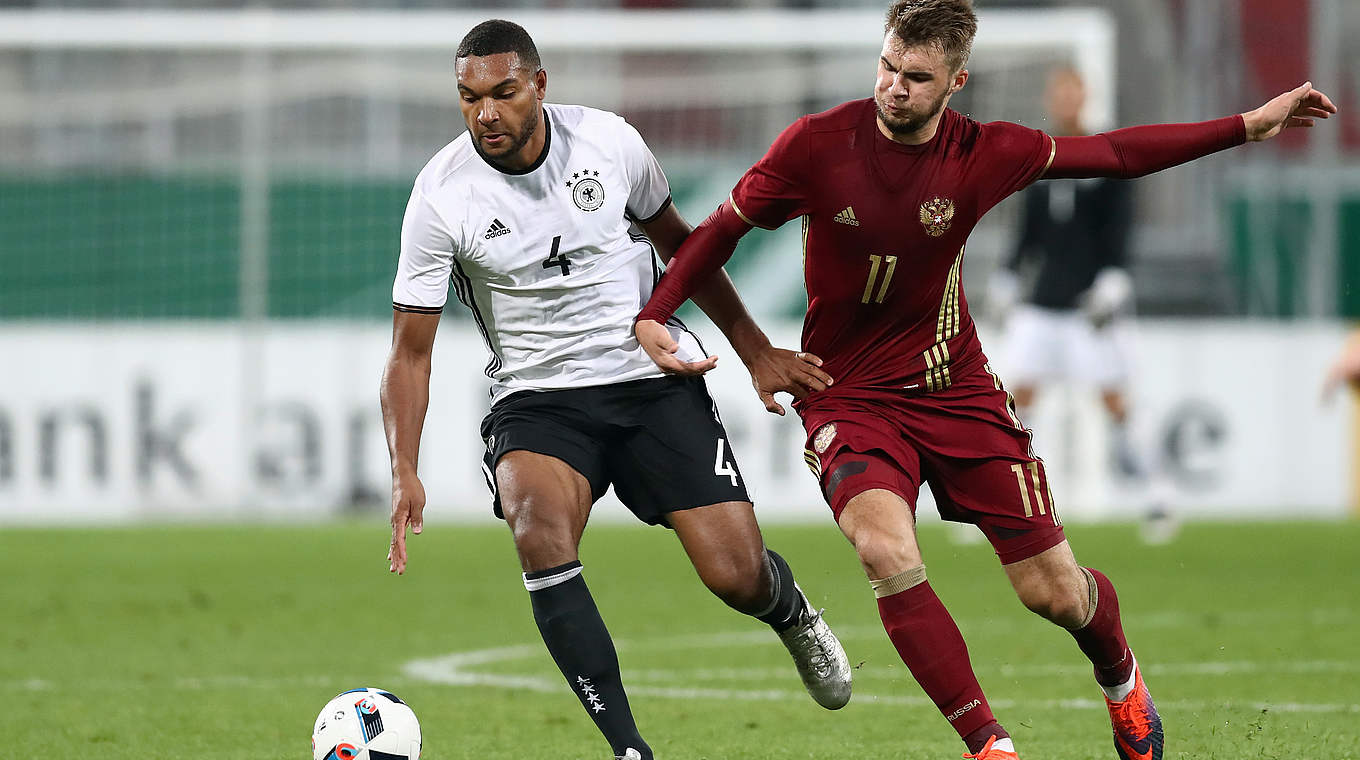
[{"x": 964, "y": 441}]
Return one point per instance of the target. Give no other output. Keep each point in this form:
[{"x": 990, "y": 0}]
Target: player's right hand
[
  {"x": 1300, "y": 107},
  {"x": 660, "y": 345},
  {"x": 408, "y": 509},
  {"x": 778, "y": 370}
]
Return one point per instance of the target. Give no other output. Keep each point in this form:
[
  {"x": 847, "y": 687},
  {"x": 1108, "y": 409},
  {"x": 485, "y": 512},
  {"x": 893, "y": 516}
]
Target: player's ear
[
  {"x": 960, "y": 79},
  {"x": 541, "y": 83}
]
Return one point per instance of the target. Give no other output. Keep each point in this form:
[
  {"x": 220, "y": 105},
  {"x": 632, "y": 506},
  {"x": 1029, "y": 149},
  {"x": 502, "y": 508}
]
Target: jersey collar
[{"x": 547, "y": 145}]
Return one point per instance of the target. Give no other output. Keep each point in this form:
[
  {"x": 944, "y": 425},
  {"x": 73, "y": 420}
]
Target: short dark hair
[
  {"x": 500, "y": 36},
  {"x": 948, "y": 25}
]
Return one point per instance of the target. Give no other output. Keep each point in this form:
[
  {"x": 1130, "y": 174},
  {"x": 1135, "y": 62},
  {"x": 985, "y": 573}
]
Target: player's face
[
  {"x": 913, "y": 86},
  {"x": 501, "y": 101}
]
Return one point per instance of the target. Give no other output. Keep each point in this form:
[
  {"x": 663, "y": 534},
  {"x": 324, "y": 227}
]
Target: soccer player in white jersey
[{"x": 546, "y": 219}]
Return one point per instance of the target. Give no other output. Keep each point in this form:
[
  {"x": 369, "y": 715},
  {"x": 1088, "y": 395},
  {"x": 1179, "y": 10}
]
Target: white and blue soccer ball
[{"x": 366, "y": 724}]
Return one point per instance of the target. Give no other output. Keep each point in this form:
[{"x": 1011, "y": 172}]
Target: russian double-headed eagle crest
[
  {"x": 825, "y": 435},
  {"x": 937, "y": 215}
]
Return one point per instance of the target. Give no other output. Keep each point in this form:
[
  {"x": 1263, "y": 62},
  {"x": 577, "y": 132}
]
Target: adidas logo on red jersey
[{"x": 847, "y": 217}]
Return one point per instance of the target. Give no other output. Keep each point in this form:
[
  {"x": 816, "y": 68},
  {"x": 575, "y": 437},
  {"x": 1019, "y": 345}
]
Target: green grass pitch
[{"x": 223, "y": 642}]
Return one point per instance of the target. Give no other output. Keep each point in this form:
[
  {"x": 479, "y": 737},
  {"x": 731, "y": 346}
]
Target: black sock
[
  {"x": 580, "y": 645},
  {"x": 785, "y": 603}
]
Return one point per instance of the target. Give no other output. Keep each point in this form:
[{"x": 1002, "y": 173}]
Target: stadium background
[{"x": 199, "y": 206}]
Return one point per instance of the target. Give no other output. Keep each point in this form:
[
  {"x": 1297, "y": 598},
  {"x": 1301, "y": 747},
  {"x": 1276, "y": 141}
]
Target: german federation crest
[{"x": 586, "y": 191}]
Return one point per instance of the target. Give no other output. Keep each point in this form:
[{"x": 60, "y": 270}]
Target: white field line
[
  {"x": 1171, "y": 619},
  {"x": 1075, "y": 670},
  {"x": 456, "y": 670}
]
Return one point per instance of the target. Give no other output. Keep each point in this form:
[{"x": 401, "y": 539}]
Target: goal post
[{"x": 1085, "y": 37}]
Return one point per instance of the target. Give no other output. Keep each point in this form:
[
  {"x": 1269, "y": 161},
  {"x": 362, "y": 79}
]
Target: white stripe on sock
[{"x": 538, "y": 584}]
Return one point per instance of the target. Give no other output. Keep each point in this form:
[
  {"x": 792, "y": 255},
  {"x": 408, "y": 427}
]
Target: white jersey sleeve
[
  {"x": 649, "y": 192},
  {"x": 424, "y": 268}
]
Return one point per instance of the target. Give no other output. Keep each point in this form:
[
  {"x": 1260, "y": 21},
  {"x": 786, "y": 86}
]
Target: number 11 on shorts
[
  {"x": 1019, "y": 470},
  {"x": 722, "y": 467}
]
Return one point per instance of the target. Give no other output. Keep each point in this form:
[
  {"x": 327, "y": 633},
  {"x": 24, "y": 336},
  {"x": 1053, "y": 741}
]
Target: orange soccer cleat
[
  {"x": 1137, "y": 726},
  {"x": 988, "y": 753}
]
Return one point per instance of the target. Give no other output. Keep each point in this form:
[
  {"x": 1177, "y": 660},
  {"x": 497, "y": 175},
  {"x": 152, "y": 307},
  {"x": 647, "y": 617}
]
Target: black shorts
[{"x": 659, "y": 441}]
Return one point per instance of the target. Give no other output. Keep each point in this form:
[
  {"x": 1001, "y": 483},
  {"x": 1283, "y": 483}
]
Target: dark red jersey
[{"x": 884, "y": 229}]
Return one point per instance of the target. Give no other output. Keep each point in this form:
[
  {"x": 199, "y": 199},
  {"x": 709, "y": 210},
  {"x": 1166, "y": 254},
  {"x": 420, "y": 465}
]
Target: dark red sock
[
  {"x": 1102, "y": 639},
  {"x": 930, "y": 644},
  {"x": 979, "y": 738}
]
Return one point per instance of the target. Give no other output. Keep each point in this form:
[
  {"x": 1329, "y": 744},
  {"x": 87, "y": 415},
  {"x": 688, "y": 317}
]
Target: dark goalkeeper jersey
[
  {"x": 1072, "y": 229},
  {"x": 884, "y": 230}
]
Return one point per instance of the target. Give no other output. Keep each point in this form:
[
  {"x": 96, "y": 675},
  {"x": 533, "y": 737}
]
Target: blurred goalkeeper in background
[{"x": 1065, "y": 296}]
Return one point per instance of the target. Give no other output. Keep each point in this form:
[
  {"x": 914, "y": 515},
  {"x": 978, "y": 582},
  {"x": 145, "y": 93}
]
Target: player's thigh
[
  {"x": 559, "y": 424},
  {"x": 880, "y": 524},
  {"x": 676, "y": 457},
  {"x": 869, "y": 475},
  {"x": 851, "y": 451},
  {"x": 981, "y": 469},
  {"x": 545, "y": 465},
  {"x": 724, "y": 544},
  {"x": 546, "y": 504}
]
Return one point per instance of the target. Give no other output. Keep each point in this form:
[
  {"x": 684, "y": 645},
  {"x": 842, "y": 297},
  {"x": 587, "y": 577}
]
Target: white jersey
[{"x": 549, "y": 259}]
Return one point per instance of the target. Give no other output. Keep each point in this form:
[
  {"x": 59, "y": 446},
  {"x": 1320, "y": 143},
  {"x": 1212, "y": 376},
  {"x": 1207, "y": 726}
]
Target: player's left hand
[
  {"x": 779, "y": 370},
  {"x": 1297, "y": 108},
  {"x": 657, "y": 341}
]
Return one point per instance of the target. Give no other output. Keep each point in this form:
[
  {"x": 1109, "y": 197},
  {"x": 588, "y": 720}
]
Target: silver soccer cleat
[
  {"x": 629, "y": 754},
  {"x": 820, "y": 658}
]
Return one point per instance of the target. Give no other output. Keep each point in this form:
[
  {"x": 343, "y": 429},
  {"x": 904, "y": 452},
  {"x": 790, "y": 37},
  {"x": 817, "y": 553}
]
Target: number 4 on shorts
[{"x": 721, "y": 466}]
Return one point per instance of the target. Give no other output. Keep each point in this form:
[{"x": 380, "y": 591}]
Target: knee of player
[
  {"x": 884, "y": 554},
  {"x": 738, "y": 581},
  {"x": 537, "y": 535},
  {"x": 1055, "y": 602}
]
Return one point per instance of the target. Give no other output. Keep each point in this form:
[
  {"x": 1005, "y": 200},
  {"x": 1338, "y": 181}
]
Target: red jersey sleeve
[
  {"x": 1012, "y": 157},
  {"x": 1139, "y": 151},
  {"x": 774, "y": 190}
]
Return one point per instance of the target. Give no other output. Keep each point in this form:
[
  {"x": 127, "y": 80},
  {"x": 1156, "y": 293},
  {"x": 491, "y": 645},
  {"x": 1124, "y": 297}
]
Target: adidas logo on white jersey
[
  {"x": 496, "y": 229},
  {"x": 847, "y": 217}
]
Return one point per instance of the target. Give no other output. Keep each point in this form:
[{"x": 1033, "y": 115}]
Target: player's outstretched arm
[
  {"x": 1139, "y": 151},
  {"x": 405, "y": 395},
  {"x": 772, "y": 369}
]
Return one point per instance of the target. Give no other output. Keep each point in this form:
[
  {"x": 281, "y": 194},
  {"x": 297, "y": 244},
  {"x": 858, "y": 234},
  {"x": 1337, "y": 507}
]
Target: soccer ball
[{"x": 366, "y": 724}]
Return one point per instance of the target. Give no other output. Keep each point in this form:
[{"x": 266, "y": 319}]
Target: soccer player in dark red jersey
[{"x": 888, "y": 189}]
